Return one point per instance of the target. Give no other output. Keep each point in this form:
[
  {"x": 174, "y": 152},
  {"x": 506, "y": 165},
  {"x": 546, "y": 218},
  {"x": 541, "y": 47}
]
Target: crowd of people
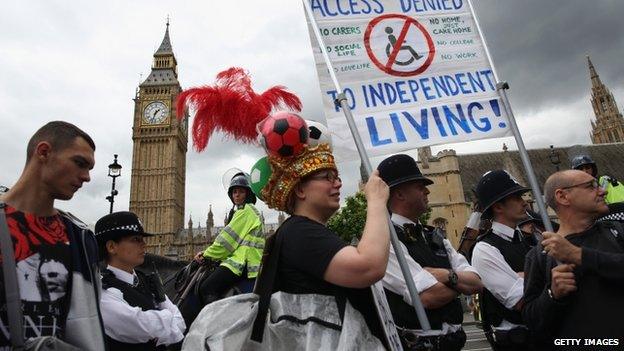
[{"x": 312, "y": 289}]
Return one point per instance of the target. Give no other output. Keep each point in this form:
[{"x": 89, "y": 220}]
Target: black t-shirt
[
  {"x": 43, "y": 259},
  {"x": 307, "y": 249}
]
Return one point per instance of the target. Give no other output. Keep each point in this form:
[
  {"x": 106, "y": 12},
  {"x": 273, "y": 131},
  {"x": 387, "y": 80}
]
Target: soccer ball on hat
[
  {"x": 318, "y": 133},
  {"x": 284, "y": 134}
]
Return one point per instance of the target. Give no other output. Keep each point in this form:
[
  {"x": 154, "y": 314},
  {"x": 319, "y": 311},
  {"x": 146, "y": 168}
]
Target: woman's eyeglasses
[{"x": 329, "y": 176}]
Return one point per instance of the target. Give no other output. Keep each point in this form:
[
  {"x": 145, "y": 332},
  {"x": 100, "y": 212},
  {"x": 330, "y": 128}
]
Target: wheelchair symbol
[
  {"x": 389, "y": 55},
  {"x": 392, "y": 42}
]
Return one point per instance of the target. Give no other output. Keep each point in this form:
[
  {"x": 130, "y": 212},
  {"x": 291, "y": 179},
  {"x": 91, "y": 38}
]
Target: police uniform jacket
[
  {"x": 132, "y": 319},
  {"x": 498, "y": 257},
  {"x": 427, "y": 251}
]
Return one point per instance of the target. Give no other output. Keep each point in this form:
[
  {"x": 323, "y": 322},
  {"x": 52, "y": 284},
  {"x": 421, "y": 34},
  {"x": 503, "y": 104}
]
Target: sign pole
[
  {"x": 342, "y": 100},
  {"x": 502, "y": 87}
]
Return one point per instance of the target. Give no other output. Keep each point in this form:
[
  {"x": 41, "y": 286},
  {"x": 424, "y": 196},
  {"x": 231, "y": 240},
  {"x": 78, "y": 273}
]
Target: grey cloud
[{"x": 539, "y": 47}]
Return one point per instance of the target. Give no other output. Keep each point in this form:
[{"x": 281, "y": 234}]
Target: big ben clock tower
[{"x": 159, "y": 152}]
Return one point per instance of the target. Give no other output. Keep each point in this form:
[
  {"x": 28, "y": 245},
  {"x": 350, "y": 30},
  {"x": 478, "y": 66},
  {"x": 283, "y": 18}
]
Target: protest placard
[{"x": 415, "y": 73}]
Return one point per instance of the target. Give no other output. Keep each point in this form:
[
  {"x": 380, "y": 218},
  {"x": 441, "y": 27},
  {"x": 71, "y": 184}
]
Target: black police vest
[
  {"x": 514, "y": 254},
  {"x": 138, "y": 296},
  {"x": 431, "y": 253}
]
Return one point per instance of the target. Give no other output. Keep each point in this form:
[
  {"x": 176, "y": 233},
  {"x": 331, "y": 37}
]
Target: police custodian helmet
[
  {"x": 582, "y": 160},
  {"x": 241, "y": 180},
  {"x": 398, "y": 169},
  {"x": 494, "y": 186}
]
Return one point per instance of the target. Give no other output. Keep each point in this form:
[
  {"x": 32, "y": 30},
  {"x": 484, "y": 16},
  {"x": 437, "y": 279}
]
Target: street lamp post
[
  {"x": 554, "y": 158},
  {"x": 114, "y": 171}
]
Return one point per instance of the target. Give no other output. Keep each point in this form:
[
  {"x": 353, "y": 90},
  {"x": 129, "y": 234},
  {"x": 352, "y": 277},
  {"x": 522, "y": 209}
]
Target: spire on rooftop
[
  {"x": 593, "y": 75},
  {"x": 165, "y": 46}
]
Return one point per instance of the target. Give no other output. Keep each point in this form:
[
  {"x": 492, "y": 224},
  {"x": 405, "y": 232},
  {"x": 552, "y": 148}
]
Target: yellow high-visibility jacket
[
  {"x": 614, "y": 193},
  {"x": 240, "y": 243}
]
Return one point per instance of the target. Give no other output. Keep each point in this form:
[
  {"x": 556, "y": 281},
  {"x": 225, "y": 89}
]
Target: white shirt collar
[
  {"x": 122, "y": 275},
  {"x": 503, "y": 231},
  {"x": 400, "y": 220}
]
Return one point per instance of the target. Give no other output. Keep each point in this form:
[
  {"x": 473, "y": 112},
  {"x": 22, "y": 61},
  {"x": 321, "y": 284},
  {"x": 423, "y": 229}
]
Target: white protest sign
[
  {"x": 385, "y": 317},
  {"x": 415, "y": 73}
]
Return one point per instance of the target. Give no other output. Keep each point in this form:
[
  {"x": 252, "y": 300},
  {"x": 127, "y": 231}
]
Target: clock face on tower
[{"x": 155, "y": 113}]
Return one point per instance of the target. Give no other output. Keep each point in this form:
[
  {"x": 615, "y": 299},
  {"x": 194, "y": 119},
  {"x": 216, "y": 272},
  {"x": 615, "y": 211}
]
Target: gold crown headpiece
[{"x": 286, "y": 172}]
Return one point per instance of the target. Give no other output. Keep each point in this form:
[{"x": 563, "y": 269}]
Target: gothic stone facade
[{"x": 609, "y": 124}]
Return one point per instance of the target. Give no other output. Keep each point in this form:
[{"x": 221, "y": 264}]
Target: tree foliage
[
  {"x": 348, "y": 222},
  {"x": 425, "y": 217}
]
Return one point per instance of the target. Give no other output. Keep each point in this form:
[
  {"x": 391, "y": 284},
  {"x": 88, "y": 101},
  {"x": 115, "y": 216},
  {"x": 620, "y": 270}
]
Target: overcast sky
[{"x": 81, "y": 62}]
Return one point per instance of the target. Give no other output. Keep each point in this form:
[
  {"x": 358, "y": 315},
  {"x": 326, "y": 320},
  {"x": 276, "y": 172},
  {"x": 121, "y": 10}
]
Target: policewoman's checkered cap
[{"x": 118, "y": 224}]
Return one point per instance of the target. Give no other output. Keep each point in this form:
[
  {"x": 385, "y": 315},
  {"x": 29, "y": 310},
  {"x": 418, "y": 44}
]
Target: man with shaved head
[{"x": 575, "y": 277}]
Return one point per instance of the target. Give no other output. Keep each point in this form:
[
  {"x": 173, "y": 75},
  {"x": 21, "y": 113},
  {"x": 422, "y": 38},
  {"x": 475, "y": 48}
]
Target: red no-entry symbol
[{"x": 385, "y": 49}]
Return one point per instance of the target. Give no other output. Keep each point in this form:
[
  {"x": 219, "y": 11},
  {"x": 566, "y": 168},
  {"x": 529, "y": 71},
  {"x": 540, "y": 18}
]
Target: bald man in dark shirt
[{"x": 581, "y": 297}]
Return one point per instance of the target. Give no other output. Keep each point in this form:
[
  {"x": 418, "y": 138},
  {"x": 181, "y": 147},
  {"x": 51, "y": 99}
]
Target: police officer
[
  {"x": 614, "y": 189},
  {"x": 136, "y": 312},
  {"x": 499, "y": 258},
  {"x": 238, "y": 247},
  {"x": 439, "y": 272}
]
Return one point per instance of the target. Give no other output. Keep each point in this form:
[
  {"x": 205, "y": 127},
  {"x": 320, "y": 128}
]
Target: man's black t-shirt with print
[
  {"x": 43, "y": 263},
  {"x": 307, "y": 249}
]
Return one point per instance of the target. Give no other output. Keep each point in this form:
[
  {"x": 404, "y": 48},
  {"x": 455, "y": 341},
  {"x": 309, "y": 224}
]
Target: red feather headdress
[{"x": 232, "y": 106}]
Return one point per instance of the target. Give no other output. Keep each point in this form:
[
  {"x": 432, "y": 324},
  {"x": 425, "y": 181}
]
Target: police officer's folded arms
[{"x": 136, "y": 312}]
